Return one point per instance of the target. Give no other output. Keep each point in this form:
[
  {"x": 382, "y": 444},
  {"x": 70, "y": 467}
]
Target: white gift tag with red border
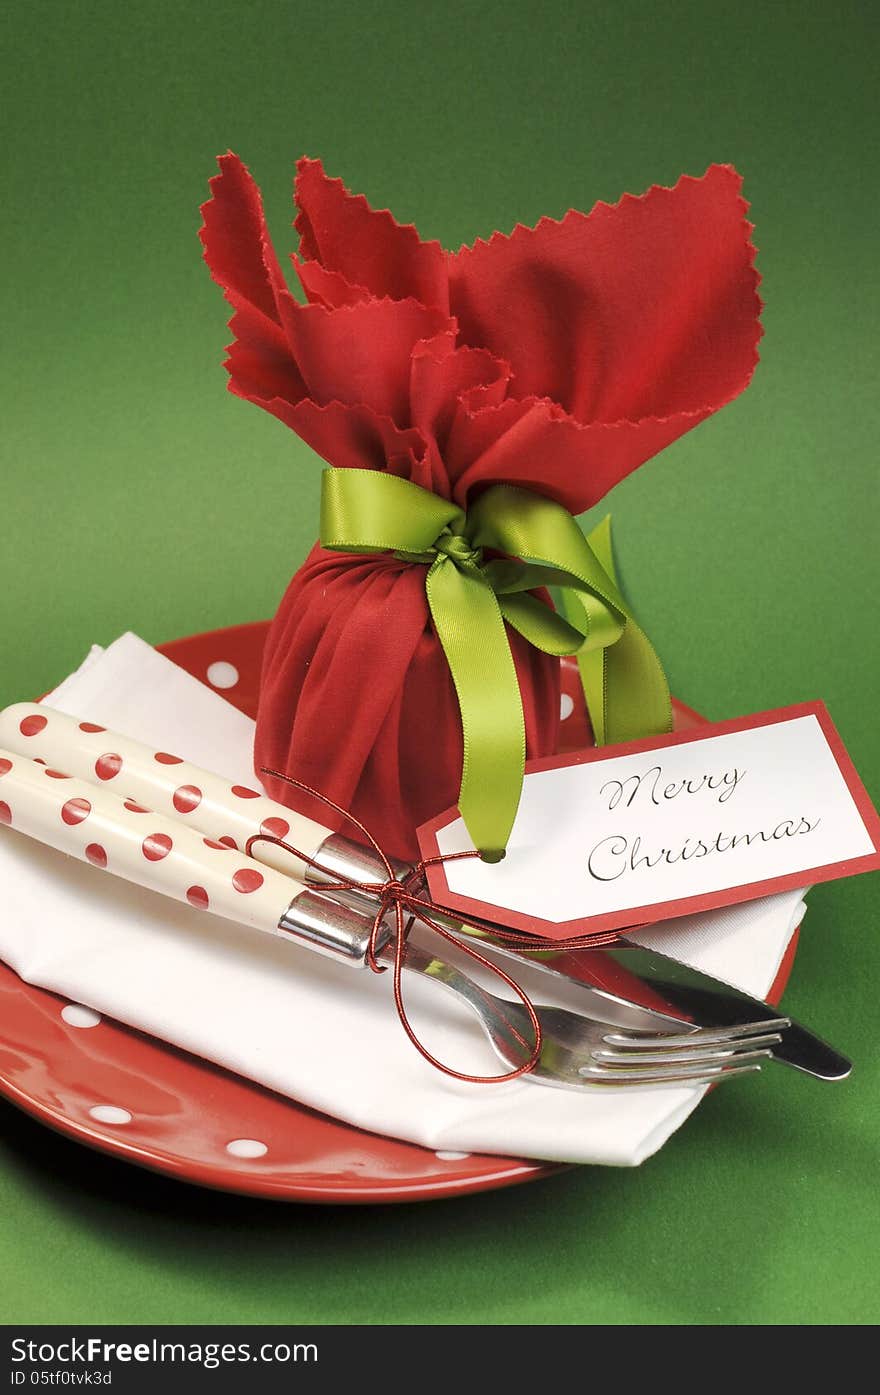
[{"x": 626, "y": 835}]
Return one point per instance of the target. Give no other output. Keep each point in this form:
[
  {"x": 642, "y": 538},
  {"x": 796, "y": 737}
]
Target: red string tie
[{"x": 397, "y": 894}]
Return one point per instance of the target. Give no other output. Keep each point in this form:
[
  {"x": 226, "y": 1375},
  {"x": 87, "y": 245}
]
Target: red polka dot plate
[{"x": 133, "y": 1096}]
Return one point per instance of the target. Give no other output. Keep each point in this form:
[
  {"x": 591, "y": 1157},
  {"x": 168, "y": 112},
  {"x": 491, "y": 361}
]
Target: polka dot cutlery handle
[
  {"x": 124, "y": 837},
  {"x": 221, "y": 810}
]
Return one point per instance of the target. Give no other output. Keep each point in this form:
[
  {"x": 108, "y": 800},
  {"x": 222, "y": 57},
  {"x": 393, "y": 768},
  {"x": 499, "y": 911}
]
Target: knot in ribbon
[
  {"x": 535, "y": 543},
  {"x": 458, "y": 549}
]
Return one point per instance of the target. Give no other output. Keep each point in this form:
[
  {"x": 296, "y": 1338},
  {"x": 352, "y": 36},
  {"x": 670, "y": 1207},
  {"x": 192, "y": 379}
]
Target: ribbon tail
[
  {"x": 592, "y": 663},
  {"x": 591, "y": 666},
  {"x": 637, "y": 701},
  {"x": 624, "y": 685},
  {"x": 470, "y": 628},
  {"x": 600, "y": 542}
]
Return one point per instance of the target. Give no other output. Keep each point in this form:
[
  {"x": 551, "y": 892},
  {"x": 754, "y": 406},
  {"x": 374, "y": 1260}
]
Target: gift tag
[{"x": 619, "y": 836}]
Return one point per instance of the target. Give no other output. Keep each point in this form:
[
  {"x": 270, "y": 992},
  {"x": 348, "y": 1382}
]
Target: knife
[{"x": 655, "y": 981}]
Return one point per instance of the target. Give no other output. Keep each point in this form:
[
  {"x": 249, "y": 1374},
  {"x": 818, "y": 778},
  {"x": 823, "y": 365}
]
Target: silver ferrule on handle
[
  {"x": 328, "y": 927},
  {"x": 342, "y": 857}
]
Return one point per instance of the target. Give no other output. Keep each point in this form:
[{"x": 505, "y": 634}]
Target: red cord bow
[{"x": 397, "y": 893}]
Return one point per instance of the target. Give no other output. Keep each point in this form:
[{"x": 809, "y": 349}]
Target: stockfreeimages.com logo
[{"x": 93, "y": 1351}]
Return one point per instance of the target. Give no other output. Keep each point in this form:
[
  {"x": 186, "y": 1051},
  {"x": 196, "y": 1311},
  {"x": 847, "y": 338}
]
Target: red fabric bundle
[{"x": 558, "y": 359}]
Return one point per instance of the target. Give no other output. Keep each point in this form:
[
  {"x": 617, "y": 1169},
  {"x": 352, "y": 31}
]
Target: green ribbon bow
[{"x": 470, "y": 598}]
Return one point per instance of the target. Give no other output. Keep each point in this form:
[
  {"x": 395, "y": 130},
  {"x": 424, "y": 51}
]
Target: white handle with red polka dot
[
  {"x": 226, "y": 812},
  {"x": 121, "y": 836}
]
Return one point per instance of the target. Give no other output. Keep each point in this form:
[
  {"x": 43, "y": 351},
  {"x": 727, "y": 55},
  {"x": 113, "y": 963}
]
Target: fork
[
  {"x": 164, "y": 854},
  {"x": 581, "y": 1052}
]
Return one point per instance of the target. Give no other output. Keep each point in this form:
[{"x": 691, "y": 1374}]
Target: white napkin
[{"x": 323, "y": 1034}]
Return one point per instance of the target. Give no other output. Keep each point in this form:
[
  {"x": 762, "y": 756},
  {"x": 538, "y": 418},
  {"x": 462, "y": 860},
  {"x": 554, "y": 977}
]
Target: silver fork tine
[
  {"x": 700, "y": 1036},
  {"x": 741, "y": 1051},
  {"x": 668, "y": 1075},
  {"x": 619, "y": 1068}
]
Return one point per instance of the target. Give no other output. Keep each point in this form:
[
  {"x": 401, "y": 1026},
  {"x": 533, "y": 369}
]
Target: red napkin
[{"x": 558, "y": 358}]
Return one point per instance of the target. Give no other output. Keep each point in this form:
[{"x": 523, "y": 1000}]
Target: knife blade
[{"x": 705, "y": 999}]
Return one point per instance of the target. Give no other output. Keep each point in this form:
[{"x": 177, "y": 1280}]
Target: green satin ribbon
[{"x": 470, "y": 598}]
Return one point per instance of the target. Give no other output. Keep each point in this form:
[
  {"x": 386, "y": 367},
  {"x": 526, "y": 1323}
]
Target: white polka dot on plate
[
  {"x": 566, "y": 706},
  {"x": 247, "y": 1148},
  {"x": 445, "y": 1155},
  {"x": 75, "y": 1015},
  {"x": 110, "y": 1114},
  {"x": 223, "y": 675}
]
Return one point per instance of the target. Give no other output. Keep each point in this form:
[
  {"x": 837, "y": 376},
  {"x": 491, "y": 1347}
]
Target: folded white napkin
[{"x": 323, "y": 1034}]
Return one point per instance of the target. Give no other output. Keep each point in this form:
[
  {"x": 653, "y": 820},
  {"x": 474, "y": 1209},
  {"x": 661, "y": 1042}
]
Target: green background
[{"x": 129, "y": 501}]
